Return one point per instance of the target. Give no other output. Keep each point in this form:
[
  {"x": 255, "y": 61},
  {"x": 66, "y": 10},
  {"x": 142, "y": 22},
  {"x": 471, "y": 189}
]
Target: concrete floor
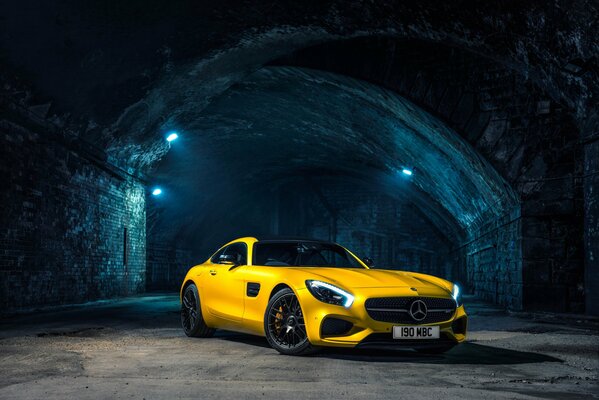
[{"x": 134, "y": 348}]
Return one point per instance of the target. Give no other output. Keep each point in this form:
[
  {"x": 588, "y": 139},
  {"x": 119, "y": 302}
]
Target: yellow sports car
[{"x": 304, "y": 294}]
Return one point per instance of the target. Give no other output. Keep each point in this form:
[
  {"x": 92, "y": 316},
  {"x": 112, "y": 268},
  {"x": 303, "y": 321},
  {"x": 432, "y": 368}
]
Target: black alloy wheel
[
  {"x": 284, "y": 324},
  {"x": 191, "y": 314}
]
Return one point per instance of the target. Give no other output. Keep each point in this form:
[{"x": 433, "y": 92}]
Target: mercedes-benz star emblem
[{"x": 418, "y": 310}]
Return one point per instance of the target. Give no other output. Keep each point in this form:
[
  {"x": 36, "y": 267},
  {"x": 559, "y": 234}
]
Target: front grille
[{"x": 397, "y": 309}]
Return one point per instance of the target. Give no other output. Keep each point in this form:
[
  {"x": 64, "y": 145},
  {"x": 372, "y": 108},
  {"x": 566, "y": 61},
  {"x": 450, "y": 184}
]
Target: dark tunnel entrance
[
  {"x": 315, "y": 145},
  {"x": 314, "y": 142},
  {"x": 303, "y": 152}
]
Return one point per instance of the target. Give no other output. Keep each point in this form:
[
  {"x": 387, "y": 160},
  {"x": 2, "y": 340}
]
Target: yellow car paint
[{"x": 226, "y": 305}]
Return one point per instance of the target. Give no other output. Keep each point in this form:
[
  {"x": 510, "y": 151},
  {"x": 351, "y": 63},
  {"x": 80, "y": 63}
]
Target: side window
[
  {"x": 239, "y": 250},
  {"x": 216, "y": 256}
]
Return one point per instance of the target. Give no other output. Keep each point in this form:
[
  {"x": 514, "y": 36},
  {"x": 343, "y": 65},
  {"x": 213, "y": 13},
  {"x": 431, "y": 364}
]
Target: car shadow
[
  {"x": 465, "y": 353},
  {"x": 252, "y": 340}
]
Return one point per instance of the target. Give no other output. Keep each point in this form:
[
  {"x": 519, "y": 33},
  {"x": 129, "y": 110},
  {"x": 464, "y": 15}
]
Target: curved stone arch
[
  {"x": 198, "y": 81},
  {"x": 323, "y": 108},
  {"x": 479, "y": 107}
]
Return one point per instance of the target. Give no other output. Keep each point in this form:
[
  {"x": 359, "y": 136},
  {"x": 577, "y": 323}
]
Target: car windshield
[{"x": 306, "y": 254}]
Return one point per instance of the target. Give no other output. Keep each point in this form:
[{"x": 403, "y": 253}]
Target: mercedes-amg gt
[{"x": 305, "y": 294}]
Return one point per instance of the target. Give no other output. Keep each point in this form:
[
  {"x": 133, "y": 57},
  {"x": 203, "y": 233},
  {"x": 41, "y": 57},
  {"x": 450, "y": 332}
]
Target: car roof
[{"x": 274, "y": 239}]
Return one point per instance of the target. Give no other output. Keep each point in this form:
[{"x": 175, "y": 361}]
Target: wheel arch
[
  {"x": 278, "y": 287},
  {"x": 184, "y": 286}
]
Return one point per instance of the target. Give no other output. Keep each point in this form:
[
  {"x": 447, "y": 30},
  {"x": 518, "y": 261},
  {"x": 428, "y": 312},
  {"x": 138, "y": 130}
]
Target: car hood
[{"x": 350, "y": 278}]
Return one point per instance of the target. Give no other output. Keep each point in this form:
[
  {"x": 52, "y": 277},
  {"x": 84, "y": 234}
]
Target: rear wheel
[
  {"x": 284, "y": 325},
  {"x": 191, "y": 314}
]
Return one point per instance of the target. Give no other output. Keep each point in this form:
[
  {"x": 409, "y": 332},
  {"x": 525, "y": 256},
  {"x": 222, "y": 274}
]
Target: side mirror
[
  {"x": 368, "y": 261},
  {"x": 228, "y": 259}
]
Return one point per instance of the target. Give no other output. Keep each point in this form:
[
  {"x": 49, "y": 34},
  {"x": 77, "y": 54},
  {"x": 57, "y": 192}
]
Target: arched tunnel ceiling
[
  {"x": 128, "y": 66},
  {"x": 122, "y": 73},
  {"x": 283, "y": 124}
]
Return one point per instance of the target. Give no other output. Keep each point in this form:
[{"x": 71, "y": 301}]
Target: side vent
[{"x": 253, "y": 289}]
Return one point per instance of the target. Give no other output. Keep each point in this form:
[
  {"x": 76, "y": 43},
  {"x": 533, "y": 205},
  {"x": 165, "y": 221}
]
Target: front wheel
[
  {"x": 191, "y": 314},
  {"x": 284, "y": 325}
]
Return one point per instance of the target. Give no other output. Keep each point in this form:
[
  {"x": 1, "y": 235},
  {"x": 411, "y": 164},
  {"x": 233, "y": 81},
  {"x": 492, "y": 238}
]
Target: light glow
[
  {"x": 407, "y": 172},
  {"x": 157, "y": 192},
  {"x": 349, "y": 298},
  {"x": 455, "y": 293},
  {"x": 172, "y": 136}
]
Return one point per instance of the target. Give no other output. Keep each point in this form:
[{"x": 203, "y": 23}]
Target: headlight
[
  {"x": 455, "y": 293},
  {"x": 328, "y": 293}
]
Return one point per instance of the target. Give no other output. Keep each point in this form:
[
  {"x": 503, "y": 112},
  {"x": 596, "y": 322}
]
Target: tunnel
[
  {"x": 454, "y": 140},
  {"x": 290, "y": 149}
]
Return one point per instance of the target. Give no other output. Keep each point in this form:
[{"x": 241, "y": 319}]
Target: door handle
[{"x": 212, "y": 272}]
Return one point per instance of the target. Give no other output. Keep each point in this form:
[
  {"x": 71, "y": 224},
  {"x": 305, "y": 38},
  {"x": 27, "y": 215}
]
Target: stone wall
[
  {"x": 591, "y": 218},
  {"x": 490, "y": 262},
  {"x": 552, "y": 263},
  {"x": 167, "y": 266},
  {"x": 71, "y": 229}
]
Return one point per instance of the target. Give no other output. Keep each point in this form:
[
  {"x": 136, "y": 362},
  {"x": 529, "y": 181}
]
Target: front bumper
[{"x": 369, "y": 333}]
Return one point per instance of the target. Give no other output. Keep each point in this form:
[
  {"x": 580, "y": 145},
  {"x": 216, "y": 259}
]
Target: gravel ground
[{"x": 134, "y": 348}]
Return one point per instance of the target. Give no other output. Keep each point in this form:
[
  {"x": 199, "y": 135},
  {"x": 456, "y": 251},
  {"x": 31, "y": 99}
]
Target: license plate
[{"x": 416, "y": 332}]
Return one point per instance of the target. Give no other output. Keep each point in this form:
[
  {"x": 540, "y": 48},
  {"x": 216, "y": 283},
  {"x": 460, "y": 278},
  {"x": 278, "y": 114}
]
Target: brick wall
[
  {"x": 63, "y": 221},
  {"x": 167, "y": 266},
  {"x": 591, "y": 217},
  {"x": 490, "y": 262}
]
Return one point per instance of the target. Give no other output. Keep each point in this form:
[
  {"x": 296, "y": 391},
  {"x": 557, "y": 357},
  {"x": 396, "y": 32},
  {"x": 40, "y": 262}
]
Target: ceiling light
[{"x": 172, "y": 136}]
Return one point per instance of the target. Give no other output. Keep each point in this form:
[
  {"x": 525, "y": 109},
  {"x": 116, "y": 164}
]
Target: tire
[
  {"x": 284, "y": 325},
  {"x": 191, "y": 314}
]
